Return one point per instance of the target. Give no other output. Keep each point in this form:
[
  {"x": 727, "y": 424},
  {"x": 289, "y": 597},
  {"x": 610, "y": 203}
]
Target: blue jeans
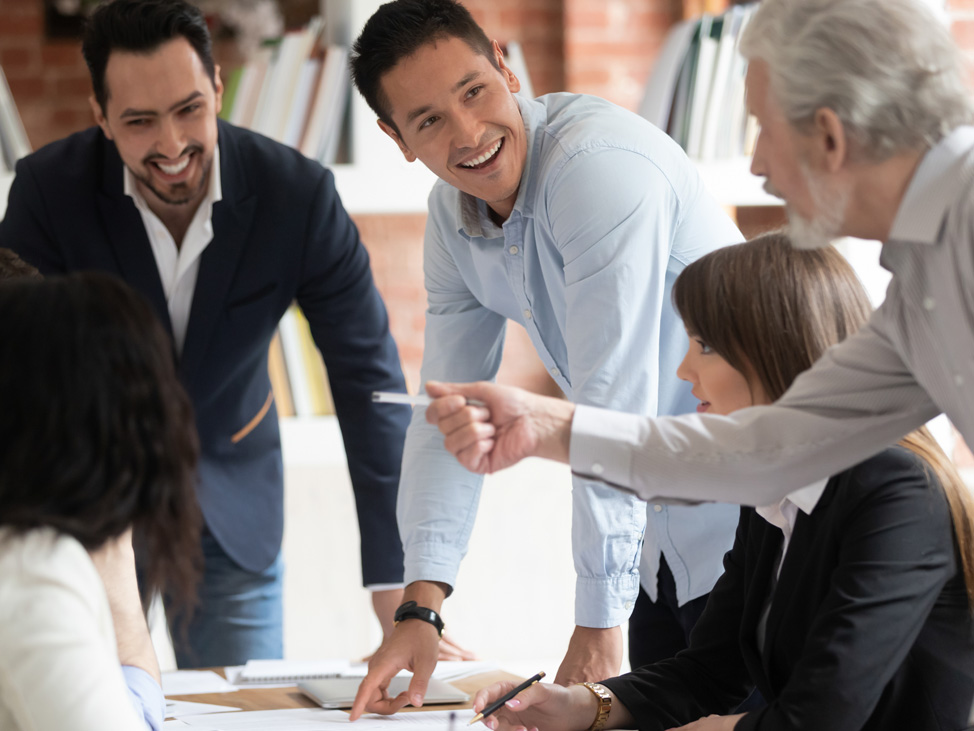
[{"x": 239, "y": 615}]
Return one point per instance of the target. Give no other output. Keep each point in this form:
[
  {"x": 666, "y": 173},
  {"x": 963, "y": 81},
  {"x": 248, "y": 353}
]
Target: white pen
[{"x": 389, "y": 397}]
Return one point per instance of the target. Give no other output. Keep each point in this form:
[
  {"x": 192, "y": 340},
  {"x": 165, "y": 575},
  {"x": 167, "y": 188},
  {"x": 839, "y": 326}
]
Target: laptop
[{"x": 340, "y": 692}]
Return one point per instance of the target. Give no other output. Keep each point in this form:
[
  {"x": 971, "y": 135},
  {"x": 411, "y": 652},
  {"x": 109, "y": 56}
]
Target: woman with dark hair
[
  {"x": 845, "y": 604},
  {"x": 97, "y": 442}
]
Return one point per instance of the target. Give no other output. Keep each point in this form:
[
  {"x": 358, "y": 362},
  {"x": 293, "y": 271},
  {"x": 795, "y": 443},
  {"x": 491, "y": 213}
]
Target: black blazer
[
  {"x": 869, "y": 627},
  {"x": 280, "y": 234}
]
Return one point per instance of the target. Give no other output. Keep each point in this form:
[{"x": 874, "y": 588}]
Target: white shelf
[
  {"x": 400, "y": 187},
  {"x": 732, "y": 184}
]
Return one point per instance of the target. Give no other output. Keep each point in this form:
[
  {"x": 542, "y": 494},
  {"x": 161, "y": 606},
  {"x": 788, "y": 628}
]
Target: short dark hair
[
  {"x": 141, "y": 26},
  {"x": 13, "y": 267},
  {"x": 97, "y": 433},
  {"x": 399, "y": 29}
]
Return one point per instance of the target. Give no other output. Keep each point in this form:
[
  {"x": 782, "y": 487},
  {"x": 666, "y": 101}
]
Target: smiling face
[
  {"x": 721, "y": 388},
  {"x": 161, "y": 113},
  {"x": 455, "y": 112}
]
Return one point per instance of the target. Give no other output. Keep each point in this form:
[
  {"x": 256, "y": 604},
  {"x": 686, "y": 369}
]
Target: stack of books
[
  {"x": 295, "y": 91},
  {"x": 696, "y": 90}
]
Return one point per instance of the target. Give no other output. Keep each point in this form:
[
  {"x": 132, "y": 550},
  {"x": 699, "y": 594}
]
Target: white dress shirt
[
  {"x": 179, "y": 265},
  {"x": 912, "y": 360},
  {"x": 59, "y": 665}
]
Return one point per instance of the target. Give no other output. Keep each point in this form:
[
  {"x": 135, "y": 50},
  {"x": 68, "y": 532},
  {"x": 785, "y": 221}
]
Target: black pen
[{"x": 496, "y": 705}]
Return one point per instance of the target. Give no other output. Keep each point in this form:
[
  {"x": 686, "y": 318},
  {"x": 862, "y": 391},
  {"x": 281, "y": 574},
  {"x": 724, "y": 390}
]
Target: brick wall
[{"x": 603, "y": 47}]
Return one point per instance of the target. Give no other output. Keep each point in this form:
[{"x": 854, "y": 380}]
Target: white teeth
[
  {"x": 483, "y": 158},
  {"x": 173, "y": 169}
]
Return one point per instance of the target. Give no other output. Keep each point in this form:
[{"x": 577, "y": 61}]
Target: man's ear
[
  {"x": 830, "y": 139},
  {"x": 390, "y": 130},
  {"x": 99, "y": 116},
  {"x": 218, "y": 88},
  {"x": 513, "y": 83}
]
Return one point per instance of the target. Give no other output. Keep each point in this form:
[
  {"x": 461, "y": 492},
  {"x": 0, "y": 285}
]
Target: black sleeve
[
  {"x": 26, "y": 228},
  {"x": 710, "y": 675},
  {"x": 896, "y": 555},
  {"x": 351, "y": 329}
]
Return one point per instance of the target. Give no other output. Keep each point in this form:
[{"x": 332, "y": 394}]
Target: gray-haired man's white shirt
[{"x": 912, "y": 360}]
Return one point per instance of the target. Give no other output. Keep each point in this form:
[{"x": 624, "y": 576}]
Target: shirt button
[
  {"x": 628, "y": 605},
  {"x": 658, "y": 508},
  {"x": 959, "y": 379},
  {"x": 597, "y": 469},
  {"x": 555, "y": 372},
  {"x": 514, "y": 250},
  {"x": 527, "y": 314},
  {"x": 929, "y": 303}
]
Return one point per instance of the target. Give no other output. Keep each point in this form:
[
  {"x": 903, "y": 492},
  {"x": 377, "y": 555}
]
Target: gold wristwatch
[{"x": 604, "y": 697}]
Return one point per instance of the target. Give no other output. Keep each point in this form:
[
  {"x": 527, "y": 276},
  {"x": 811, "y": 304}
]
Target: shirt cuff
[
  {"x": 146, "y": 696},
  {"x": 432, "y": 561},
  {"x": 384, "y": 587},
  {"x": 601, "y": 444},
  {"x": 605, "y": 602}
]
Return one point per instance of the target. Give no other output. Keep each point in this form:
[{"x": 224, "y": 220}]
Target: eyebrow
[
  {"x": 420, "y": 111},
  {"x": 153, "y": 113}
]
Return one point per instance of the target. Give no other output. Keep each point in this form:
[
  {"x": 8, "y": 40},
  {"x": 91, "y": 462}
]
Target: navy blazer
[
  {"x": 280, "y": 234},
  {"x": 869, "y": 626}
]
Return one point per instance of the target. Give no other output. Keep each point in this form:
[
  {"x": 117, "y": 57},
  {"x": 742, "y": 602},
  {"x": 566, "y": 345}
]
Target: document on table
[
  {"x": 177, "y": 709},
  {"x": 316, "y": 719},
  {"x": 191, "y": 682}
]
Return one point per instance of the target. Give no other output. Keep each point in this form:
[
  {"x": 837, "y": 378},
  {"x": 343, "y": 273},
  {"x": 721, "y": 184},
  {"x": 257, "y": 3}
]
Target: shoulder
[
  {"x": 79, "y": 156},
  {"x": 578, "y": 123},
  {"x": 268, "y": 166},
  {"x": 41, "y": 555},
  {"x": 895, "y": 477}
]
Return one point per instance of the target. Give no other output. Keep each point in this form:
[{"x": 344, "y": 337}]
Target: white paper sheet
[
  {"x": 314, "y": 719},
  {"x": 178, "y": 709},
  {"x": 191, "y": 682}
]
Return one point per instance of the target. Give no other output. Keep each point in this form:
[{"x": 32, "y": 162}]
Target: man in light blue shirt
[{"x": 571, "y": 217}]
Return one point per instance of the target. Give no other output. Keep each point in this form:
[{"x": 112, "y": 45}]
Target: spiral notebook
[{"x": 264, "y": 672}]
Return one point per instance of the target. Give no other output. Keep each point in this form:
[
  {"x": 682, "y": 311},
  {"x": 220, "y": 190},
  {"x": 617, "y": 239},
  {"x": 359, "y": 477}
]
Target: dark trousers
[{"x": 658, "y": 630}]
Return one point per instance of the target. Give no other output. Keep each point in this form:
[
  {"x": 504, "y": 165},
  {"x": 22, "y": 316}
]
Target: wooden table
[{"x": 270, "y": 699}]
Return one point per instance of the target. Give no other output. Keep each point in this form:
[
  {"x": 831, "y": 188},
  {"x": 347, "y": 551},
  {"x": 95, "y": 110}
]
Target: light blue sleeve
[
  {"x": 437, "y": 496},
  {"x": 613, "y": 215},
  {"x": 146, "y": 696}
]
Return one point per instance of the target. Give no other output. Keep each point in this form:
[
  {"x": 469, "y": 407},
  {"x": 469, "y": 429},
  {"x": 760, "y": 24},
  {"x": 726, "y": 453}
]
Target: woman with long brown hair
[
  {"x": 97, "y": 441},
  {"x": 847, "y": 604}
]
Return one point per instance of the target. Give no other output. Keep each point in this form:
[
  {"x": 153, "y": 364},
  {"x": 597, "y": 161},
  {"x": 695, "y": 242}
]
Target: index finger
[{"x": 370, "y": 693}]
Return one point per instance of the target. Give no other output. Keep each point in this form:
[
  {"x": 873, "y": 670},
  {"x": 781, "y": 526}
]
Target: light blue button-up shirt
[{"x": 608, "y": 213}]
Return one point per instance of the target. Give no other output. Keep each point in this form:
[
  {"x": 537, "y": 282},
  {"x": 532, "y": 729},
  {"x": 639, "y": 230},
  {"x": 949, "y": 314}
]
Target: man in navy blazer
[{"x": 221, "y": 229}]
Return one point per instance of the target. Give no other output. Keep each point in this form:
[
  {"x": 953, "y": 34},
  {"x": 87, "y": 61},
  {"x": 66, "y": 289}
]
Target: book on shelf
[
  {"x": 13, "y": 137},
  {"x": 293, "y": 90},
  {"x": 696, "y": 89}
]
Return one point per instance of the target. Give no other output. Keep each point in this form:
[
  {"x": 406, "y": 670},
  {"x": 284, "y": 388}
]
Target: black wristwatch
[{"x": 411, "y": 610}]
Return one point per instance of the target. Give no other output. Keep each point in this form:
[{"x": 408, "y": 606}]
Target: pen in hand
[
  {"x": 388, "y": 397},
  {"x": 499, "y": 703}
]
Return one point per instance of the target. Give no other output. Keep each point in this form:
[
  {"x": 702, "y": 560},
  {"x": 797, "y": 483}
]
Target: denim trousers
[{"x": 238, "y": 616}]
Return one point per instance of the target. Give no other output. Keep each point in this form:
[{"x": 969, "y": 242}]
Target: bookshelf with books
[{"x": 696, "y": 93}]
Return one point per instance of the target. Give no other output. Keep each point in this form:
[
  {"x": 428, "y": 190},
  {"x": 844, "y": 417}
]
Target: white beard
[{"x": 830, "y": 212}]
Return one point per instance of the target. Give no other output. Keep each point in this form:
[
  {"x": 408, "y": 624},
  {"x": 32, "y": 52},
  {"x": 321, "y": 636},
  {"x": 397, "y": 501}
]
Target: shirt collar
[
  {"x": 472, "y": 212},
  {"x": 804, "y": 498},
  {"x": 932, "y": 189},
  {"x": 213, "y": 194}
]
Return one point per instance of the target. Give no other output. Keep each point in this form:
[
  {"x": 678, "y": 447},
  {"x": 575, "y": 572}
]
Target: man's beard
[
  {"x": 829, "y": 218},
  {"x": 179, "y": 194}
]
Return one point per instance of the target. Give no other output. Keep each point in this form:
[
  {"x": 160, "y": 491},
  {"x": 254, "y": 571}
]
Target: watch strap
[
  {"x": 412, "y": 610},
  {"x": 604, "y": 697}
]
